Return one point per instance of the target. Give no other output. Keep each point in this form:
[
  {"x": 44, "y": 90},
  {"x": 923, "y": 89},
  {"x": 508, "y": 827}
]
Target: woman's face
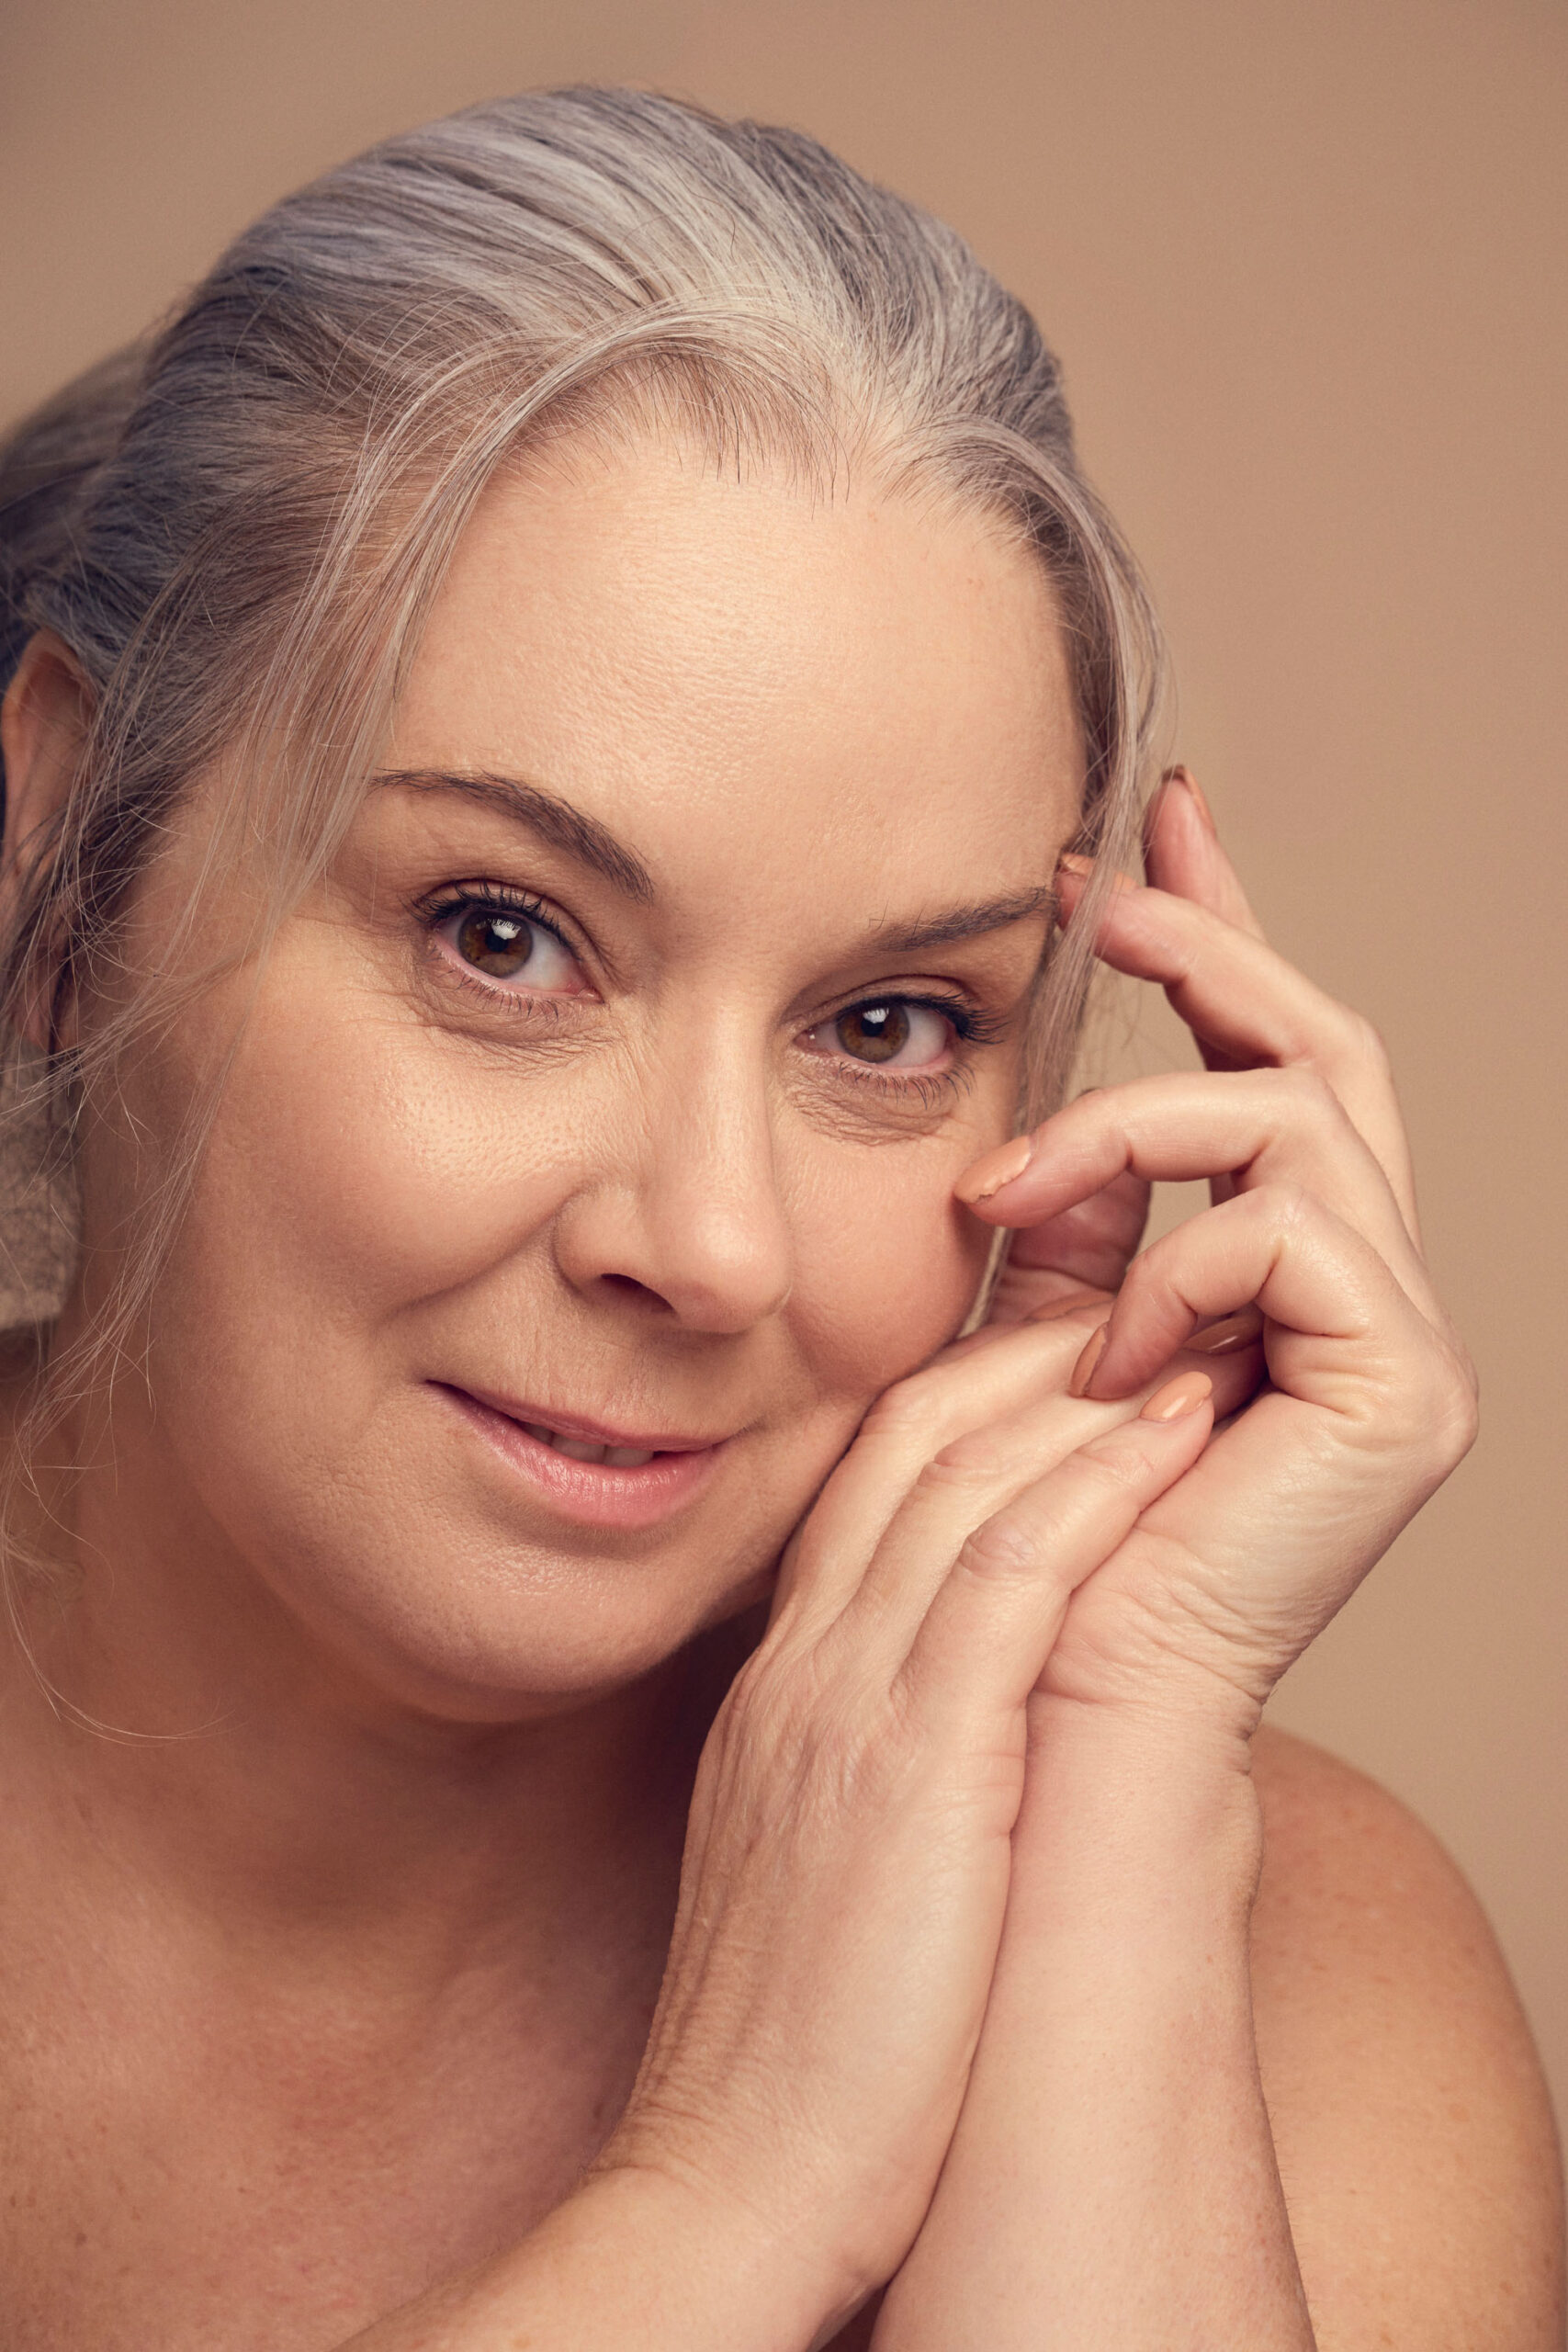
[{"x": 613, "y": 1088}]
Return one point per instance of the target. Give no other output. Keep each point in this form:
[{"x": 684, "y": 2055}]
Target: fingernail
[
  {"x": 1178, "y": 1398},
  {"x": 1081, "y": 868},
  {"x": 1225, "y": 1338},
  {"x": 1083, "y": 1370},
  {"x": 997, "y": 1168},
  {"x": 1185, "y": 777}
]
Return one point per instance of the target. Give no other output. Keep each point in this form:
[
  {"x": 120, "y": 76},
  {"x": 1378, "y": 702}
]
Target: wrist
[
  {"x": 754, "y": 2273},
  {"x": 636, "y": 2255},
  {"x": 1145, "y": 1804},
  {"x": 1177, "y": 1699}
]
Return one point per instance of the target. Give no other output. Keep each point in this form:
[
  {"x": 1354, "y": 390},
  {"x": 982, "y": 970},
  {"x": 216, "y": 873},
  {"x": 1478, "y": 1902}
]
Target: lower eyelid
[
  {"x": 928, "y": 1089},
  {"x": 548, "y": 1003},
  {"x": 438, "y": 921},
  {"x": 922, "y": 1082}
]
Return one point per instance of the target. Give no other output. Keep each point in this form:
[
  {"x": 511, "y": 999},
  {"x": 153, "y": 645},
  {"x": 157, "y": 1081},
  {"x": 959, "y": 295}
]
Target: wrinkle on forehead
[{"x": 667, "y": 646}]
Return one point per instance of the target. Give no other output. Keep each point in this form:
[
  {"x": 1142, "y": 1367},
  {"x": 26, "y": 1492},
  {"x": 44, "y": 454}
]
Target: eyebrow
[
  {"x": 597, "y": 847},
  {"x": 969, "y": 922},
  {"x": 556, "y": 821}
]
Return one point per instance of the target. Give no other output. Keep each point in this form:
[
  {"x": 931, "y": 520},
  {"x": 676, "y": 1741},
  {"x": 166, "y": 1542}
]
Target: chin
[{"x": 448, "y": 1617}]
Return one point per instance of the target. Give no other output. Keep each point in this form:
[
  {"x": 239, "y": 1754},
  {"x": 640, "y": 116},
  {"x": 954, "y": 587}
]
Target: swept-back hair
[{"x": 238, "y": 526}]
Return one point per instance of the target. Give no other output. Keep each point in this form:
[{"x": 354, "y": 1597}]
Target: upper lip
[{"x": 591, "y": 1432}]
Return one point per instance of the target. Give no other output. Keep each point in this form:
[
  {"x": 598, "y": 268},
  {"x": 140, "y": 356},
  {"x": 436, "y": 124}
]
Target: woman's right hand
[{"x": 848, "y": 1855}]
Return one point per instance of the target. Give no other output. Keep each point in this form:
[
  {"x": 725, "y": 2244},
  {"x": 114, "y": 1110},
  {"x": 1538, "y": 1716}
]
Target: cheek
[
  {"x": 360, "y": 1167},
  {"x": 889, "y": 1265},
  {"x": 361, "y": 1162}
]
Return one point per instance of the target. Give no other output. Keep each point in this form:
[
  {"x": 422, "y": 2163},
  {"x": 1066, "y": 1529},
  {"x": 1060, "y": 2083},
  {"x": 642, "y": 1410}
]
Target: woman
[{"x": 584, "y": 1767}]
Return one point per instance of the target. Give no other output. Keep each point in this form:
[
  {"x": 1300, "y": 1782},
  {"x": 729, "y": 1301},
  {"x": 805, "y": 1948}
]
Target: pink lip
[{"x": 594, "y": 1494}]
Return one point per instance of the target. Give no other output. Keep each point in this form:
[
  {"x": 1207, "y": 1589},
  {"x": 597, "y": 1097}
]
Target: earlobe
[{"x": 44, "y": 722}]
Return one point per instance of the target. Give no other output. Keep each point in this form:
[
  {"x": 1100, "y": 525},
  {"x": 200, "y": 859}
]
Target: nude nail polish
[
  {"x": 1083, "y": 1370},
  {"x": 1185, "y": 777},
  {"x": 1082, "y": 869},
  {"x": 1223, "y": 1339},
  {"x": 997, "y": 1168},
  {"x": 1178, "y": 1398}
]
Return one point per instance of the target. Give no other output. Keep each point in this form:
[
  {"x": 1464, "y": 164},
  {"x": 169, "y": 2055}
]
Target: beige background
[{"x": 1305, "y": 265}]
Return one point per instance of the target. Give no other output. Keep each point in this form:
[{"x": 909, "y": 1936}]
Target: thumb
[{"x": 1051, "y": 1267}]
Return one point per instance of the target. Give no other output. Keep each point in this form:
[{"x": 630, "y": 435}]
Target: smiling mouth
[
  {"x": 581, "y": 1449},
  {"x": 584, "y": 1441},
  {"x": 586, "y": 1472}
]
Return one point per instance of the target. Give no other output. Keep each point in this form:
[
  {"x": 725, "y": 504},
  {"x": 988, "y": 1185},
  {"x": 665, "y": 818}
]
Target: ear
[{"x": 44, "y": 722}]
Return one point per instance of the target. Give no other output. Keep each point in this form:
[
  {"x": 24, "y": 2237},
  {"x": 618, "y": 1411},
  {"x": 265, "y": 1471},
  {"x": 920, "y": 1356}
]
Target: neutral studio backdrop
[{"x": 1305, "y": 265}]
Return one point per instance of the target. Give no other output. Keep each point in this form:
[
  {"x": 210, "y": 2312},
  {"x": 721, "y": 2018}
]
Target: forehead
[{"x": 730, "y": 663}]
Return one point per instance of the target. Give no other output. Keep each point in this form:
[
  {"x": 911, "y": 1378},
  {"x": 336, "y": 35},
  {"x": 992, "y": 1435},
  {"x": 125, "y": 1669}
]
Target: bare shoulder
[{"x": 1416, "y": 2139}]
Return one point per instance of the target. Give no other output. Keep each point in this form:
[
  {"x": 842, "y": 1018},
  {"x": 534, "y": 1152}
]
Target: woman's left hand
[{"x": 1370, "y": 1399}]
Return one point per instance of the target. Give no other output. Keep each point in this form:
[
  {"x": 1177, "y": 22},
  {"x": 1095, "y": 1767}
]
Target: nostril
[{"x": 630, "y": 1288}]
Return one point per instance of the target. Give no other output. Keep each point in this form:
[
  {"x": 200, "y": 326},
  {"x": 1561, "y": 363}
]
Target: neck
[{"x": 186, "y": 1736}]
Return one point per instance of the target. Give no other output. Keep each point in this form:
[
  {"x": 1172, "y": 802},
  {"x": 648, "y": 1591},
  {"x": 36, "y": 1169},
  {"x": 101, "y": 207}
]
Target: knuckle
[
  {"x": 1307, "y": 1092},
  {"x": 1005, "y": 1547},
  {"x": 1429, "y": 1410},
  {"x": 974, "y": 1460},
  {"x": 1360, "y": 1039},
  {"x": 1114, "y": 1468},
  {"x": 911, "y": 1408},
  {"x": 1279, "y": 1205},
  {"x": 1452, "y": 1407},
  {"x": 1464, "y": 1422},
  {"x": 988, "y": 1451}
]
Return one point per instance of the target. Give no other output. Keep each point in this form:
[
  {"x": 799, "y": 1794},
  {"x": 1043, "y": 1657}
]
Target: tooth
[
  {"x": 580, "y": 1449},
  {"x": 626, "y": 1457}
]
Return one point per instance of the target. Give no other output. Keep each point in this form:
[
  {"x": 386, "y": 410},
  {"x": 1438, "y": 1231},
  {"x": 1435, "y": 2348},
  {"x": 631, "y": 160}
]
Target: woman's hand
[
  {"x": 847, "y": 1870},
  {"x": 1111, "y": 2180},
  {"x": 849, "y": 1851},
  {"x": 1370, "y": 1399}
]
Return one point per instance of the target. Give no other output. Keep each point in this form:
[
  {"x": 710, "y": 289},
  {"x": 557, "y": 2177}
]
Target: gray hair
[{"x": 238, "y": 526}]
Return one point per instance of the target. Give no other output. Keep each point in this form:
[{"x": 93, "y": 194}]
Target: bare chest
[{"x": 183, "y": 2166}]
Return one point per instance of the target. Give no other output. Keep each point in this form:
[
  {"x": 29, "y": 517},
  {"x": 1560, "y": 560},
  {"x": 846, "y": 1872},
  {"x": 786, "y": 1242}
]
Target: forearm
[
  {"x": 631, "y": 2258},
  {"x": 1112, "y": 2178}
]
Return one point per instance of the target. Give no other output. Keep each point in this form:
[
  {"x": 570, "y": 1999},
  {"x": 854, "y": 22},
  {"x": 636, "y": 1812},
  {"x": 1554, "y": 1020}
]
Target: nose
[{"x": 688, "y": 1221}]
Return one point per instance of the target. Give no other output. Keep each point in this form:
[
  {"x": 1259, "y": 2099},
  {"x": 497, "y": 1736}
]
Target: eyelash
[
  {"x": 970, "y": 1026},
  {"x": 930, "y": 1090},
  {"x": 437, "y": 909}
]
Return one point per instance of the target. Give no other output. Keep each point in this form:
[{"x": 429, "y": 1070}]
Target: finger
[
  {"x": 936, "y": 1458},
  {"x": 985, "y": 1468},
  {"x": 1087, "y": 1248},
  {"x": 1247, "y": 1007},
  {"x": 981, "y": 1646},
  {"x": 1183, "y": 853},
  {"x": 983, "y": 1380},
  {"x": 1338, "y": 1328},
  {"x": 1368, "y": 1411},
  {"x": 1262, "y": 1126},
  {"x": 1075, "y": 1299}
]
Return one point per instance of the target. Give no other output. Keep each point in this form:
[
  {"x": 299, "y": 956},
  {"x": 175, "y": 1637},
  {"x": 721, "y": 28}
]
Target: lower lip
[{"x": 593, "y": 1494}]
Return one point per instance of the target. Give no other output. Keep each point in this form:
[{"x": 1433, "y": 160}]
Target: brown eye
[
  {"x": 495, "y": 943},
  {"x": 506, "y": 945},
  {"x": 874, "y": 1033},
  {"x": 896, "y": 1030}
]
